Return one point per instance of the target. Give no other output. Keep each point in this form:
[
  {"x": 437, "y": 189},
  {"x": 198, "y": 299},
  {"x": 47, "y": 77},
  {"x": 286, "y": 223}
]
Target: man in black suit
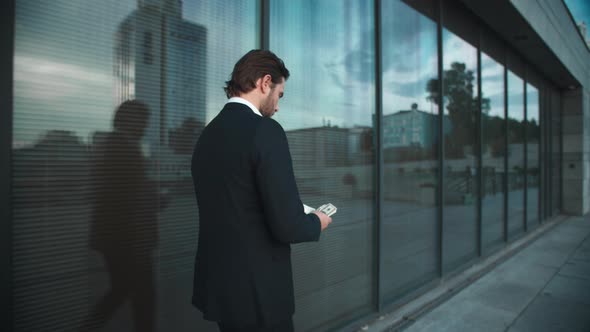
[{"x": 249, "y": 206}]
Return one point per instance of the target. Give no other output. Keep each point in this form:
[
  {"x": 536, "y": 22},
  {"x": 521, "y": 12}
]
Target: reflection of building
[
  {"x": 340, "y": 159},
  {"x": 330, "y": 146},
  {"x": 412, "y": 127},
  {"x": 160, "y": 59}
]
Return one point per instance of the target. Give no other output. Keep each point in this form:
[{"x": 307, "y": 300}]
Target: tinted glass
[
  {"x": 533, "y": 133},
  {"x": 516, "y": 127},
  {"x": 460, "y": 138},
  {"x": 105, "y": 218},
  {"x": 410, "y": 146},
  {"x": 493, "y": 135},
  {"x": 556, "y": 144},
  {"x": 328, "y": 113}
]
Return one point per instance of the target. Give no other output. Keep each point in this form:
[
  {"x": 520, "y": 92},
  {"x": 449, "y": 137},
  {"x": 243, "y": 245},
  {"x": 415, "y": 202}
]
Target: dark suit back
[{"x": 250, "y": 212}]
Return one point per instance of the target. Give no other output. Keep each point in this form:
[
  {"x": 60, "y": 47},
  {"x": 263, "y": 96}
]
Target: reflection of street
[
  {"x": 178, "y": 225},
  {"x": 52, "y": 202},
  {"x": 409, "y": 245},
  {"x": 338, "y": 267}
]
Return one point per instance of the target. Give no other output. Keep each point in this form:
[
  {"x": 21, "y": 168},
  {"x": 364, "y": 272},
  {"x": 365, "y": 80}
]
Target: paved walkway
[{"x": 544, "y": 287}]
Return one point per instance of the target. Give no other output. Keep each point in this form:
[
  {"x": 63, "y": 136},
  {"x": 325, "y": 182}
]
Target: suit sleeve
[{"x": 276, "y": 184}]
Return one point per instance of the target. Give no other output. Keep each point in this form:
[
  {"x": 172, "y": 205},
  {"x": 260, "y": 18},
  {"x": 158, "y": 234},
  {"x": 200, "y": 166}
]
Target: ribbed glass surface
[
  {"x": 493, "y": 126},
  {"x": 327, "y": 112},
  {"x": 460, "y": 150},
  {"x": 105, "y": 219},
  {"x": 409, "y": 253},
  {"x": 516, "y": 156},
  {"x": 533, "y": 141}
]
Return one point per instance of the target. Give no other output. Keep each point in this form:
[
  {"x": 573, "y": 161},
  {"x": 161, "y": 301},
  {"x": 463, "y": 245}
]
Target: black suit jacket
[{"x": 250, "y": 212}]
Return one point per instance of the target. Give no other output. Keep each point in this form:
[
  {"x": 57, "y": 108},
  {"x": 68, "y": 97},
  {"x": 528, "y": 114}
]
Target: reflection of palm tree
[{"x": 124, "y": 221}]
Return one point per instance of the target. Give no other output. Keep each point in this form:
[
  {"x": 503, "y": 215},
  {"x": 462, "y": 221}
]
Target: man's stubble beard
[{"x": 266, "y": 107}]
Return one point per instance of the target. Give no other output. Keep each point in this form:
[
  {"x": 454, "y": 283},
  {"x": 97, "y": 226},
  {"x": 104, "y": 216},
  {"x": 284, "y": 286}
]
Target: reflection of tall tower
[{"x": 160, "y": 59}]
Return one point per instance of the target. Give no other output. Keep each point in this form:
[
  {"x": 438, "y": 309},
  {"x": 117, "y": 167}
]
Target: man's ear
[{"x": 266, "y": 83}]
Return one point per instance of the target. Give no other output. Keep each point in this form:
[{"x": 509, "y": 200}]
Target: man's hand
[{"x": 324, "y": 219}]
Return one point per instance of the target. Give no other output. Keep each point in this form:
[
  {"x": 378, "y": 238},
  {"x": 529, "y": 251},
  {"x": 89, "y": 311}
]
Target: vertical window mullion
[
  {"x": 378, "y": 234},
  {"x": 479, "y": 143},
  {"x": 440, "y": 135}
]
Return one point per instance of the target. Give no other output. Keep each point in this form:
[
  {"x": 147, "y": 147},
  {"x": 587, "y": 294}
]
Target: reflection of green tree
[
  {"x": 493, "y": 134},
  {"x": 533, "y": 131},
  {"x": 462, "y": 106}
]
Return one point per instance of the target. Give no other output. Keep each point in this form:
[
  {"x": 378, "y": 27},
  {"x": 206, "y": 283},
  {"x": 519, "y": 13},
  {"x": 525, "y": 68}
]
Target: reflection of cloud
[
  {"x": 357, "y": 65},
  {"x": 409, "y": 37},
  {"x": 413, "y": 73},
  {"x": 49, "y": 80},
  {"x": 491, "y": 71},
  {"x": 492, "y": 88},
  {"x": 458, "y": 50},
  {"x": 410, "y": 89}
]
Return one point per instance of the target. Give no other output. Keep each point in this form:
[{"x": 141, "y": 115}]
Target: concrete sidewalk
[{"x": 543, "y": 287}]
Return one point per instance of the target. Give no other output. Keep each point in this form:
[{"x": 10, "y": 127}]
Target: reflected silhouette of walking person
[{"x": 124, "y": 225}]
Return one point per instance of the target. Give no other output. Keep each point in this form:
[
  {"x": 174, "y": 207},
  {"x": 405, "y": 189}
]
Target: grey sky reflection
[
  {"x": 532, "y": 102},
  {"x": 331, "y": 62},
  {"x": 492, "y": 84},
  {"x": 64, "y": 74},
  {"x": 64, "y": 60},
  {"x": 409, "y": 57},
  {"x": 515, "y": 97}
]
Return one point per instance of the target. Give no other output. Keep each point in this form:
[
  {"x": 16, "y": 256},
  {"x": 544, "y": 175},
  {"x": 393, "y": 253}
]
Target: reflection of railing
[
  {"x": 515, "y": 180},
  {"x": 460, "y": 188},
  {"x": 492, "y": 181}
]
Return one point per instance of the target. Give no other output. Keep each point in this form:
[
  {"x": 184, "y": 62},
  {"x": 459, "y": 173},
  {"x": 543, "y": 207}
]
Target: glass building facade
[{"x": 438, "y": 143}]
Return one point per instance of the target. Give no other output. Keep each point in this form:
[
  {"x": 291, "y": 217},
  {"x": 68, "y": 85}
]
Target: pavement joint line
[
  {"x": 532, "y": 300},
  {"x": 408, "y": 313},
  {"x": 569, "y": 256}
]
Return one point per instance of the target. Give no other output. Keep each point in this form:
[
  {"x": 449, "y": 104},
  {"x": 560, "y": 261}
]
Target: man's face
[{"x": 270, "y": 105}]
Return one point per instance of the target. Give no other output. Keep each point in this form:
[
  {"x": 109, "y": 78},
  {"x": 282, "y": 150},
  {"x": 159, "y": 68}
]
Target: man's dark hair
[{"x": 252, "y": 66}]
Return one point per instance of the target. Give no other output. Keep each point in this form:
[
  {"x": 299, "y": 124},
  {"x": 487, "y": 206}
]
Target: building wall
[
  {"x": 71, "y": 73},
  {"x": 553, "y": 24}
]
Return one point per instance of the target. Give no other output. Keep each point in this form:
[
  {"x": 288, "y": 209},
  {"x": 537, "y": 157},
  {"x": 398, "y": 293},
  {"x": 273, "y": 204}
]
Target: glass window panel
[
  {"x": 493, "y": 150},
  {"x": 328, "y": 113},
  {"x": 460, "y": 146},
  {"x": 533, "y": 133},
  {"x": 516, "y": 124},
  {"x": 104, "y": 217},
  {"x": 409, "y": 255},
  {"x": 555, "y": 141}
]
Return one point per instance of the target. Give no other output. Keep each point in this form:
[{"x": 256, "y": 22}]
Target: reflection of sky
[
  {"x": 326, "y": 45},
  {"x": 532, "y": 103},
  {"x": 455, "y": 49},
  {"x": 515, "y": 97},
  {"x": 580, "y": 10},
  {"x": 64, "y": 60},
  {"x": 492, "y": 84},
  {"x": 409, "y": 57},
  {"x": 63, "y": 68}
]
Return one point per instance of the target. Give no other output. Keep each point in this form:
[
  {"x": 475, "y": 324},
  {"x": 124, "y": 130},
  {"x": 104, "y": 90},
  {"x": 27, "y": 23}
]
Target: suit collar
[{"x": 244, "y": 102}]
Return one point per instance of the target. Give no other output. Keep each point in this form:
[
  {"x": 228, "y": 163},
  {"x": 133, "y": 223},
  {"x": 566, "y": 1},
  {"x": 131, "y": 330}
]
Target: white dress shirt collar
[{"x": 245, "y": 102}]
